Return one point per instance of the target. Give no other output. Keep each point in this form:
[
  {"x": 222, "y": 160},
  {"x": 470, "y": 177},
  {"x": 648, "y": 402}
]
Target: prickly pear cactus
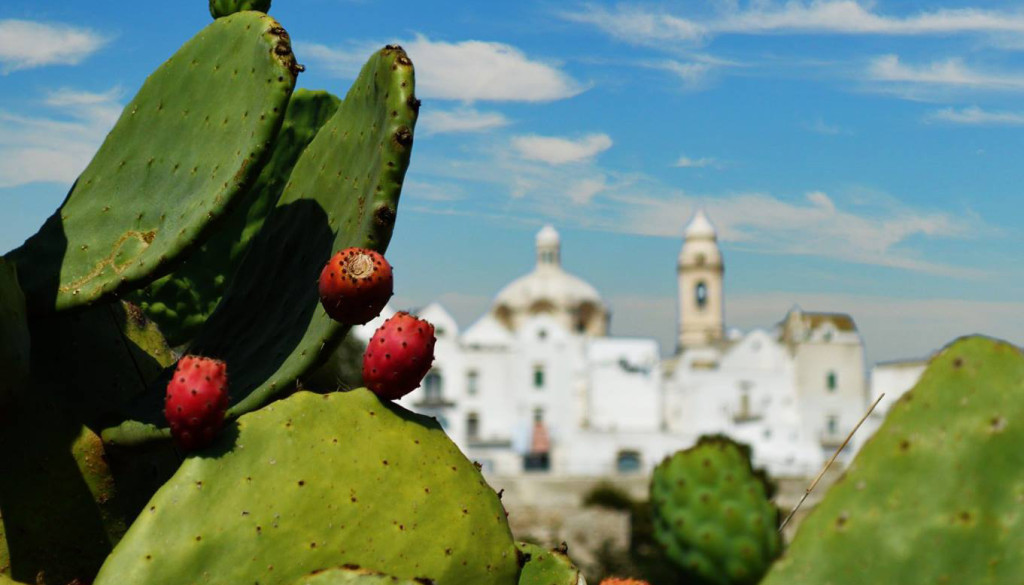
[
  {"x": 183, "y": 300},
  {"x": 712, "y": 512},
  {"x": 61, "y": 511},
  {"x": 222, "y": 8},
  {"x": 342, "y": 192},
  {"x": 355, "y": 576},
  {"x": 97, "y": 359},
  {"x": 547, "y": 567},
  {"x": 190, "y": 141},
  {"x": 936, "y": 495},
  {"x": 14, "y": 337},
  {"x": 316, "y": 481}
]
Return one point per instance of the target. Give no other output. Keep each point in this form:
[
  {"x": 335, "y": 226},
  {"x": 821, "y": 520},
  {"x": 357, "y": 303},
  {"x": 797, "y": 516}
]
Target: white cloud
[
  {"x": 582, "y": 191},
  {"x": 558, "y": 151},
  {"x": 686, "y": 162},
  {"x": 950, "y": 72},
  {"x": 467, "y": 71},
  {"x": 644, "y": 26},
  {"x": 692, "y": 74},
  {"x": 976, "y": 116},
  {"x": 819, "y": 126},
  {"x": 459, "y": 120},
  {"x": 25, "y": 44},
  {"x": 50, "y": 149}
]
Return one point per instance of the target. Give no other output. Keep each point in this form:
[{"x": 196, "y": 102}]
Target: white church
[{"x": 537, "y": 386}]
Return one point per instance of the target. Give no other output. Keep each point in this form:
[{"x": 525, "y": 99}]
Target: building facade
[{"x": 536, "y": 385}]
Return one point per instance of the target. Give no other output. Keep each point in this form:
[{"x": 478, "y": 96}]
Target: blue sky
[{"x": 860, "y": 157}]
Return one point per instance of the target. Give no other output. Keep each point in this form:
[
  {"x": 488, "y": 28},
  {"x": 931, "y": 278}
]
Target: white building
[{"x": 535, "y": 384}]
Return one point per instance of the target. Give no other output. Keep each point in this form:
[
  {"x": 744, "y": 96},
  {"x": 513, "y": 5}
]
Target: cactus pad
[
  {"x": 546, "y": 567},
  {"x": 182, "y": 301},
  {"x": 937, "y": 494},
  {"x": 343, "y": 192},
  {"x": 316, "y": 481},
  {"x": 712, "y": 512},
  {"x": 355, "y": 576},
  {"x": 222, "y": 8},
  {"x": 14, "y": 337},
  {"x": 188, "y": 143},
  {"x": 95, "y": 360},
  {"x": 60, "y": 508}
]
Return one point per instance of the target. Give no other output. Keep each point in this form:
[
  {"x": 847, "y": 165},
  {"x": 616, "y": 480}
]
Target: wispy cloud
[
  {"x": 820, "y": 126},
  {"x": 685, "y": 162},
  {"x": 556, "y": 150},
  {"x": 949, "y": 72},
  {"x": 641, "y": 25},
  {"x": 25, "y": 44},
  {"x": 976, "y": 116},
  {"x": 459, "y": 120},
  {"x": 869, "y": 230},
  {"x": 466, "y": 71},
  {"x": 52, "y": 148}
]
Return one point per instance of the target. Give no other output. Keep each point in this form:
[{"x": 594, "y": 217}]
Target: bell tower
[{"x": 701, "y": 299}]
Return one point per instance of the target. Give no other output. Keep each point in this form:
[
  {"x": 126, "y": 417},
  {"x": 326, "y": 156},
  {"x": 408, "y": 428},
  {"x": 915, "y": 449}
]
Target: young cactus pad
[
  {"x": 712, "y": 513},
  {"x": 546, "y": 567},
  {"x": 937, "y": 494},
  {"x": 192, "y": 139},
  {"x": 314, "y": 481},
  {"x": 183, "y": 300},
  {"x": 343, "y": 192}
]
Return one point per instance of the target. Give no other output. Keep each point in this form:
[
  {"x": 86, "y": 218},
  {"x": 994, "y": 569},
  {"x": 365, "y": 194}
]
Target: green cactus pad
[
  {"x": 314, "y": 481},
  {"x": 712, "y": 512},
  {"x": 355, "y": 576},
  {"x": 182, "y": 301},
  {"x": 546, "y": 567},
  {"x": 937, "y": 494},
  {"x": 14, "y": 336},
  {"x": 61, "y": 511},
  {"x": 96, "y": 360},
  {"x": 222, "y": 8},
  {"x": 192, "y": 139},
  {"x": 342, "y": 192}
]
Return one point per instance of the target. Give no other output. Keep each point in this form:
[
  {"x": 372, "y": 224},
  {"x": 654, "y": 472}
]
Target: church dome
[
  {"x": 549, "y": 289},
  {"x": 700, "y": 246}
]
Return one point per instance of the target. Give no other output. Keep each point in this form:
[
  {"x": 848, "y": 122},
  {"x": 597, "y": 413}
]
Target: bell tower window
[{"x": 700, "y": 294}]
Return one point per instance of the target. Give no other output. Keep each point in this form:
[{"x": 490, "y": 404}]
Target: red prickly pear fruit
[
  {"x": 355, "y": 285},
  {"x": 398, "y": 356},
  {"x": 196, "y": 400}
]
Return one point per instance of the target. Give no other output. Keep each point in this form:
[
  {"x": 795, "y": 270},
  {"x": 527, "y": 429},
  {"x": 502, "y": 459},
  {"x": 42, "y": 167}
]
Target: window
[
  {"x": 830, "y": 380},
  {"x": 538, "y": 376},
  {"x": 542, "y": 334},
  {"x": 745, "y": 404},
  {"x": 473, "y": 425},
  {"x": 472, "y": 382},
  {"x": 432, "y": 384},
  {"x": 701, "y": 295},
  {"x": 627, "y": 462},
  {"x": 538, "y": 415},
  {"x": 700, "y": 260},
  {"x": 832, "y": 424}
]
